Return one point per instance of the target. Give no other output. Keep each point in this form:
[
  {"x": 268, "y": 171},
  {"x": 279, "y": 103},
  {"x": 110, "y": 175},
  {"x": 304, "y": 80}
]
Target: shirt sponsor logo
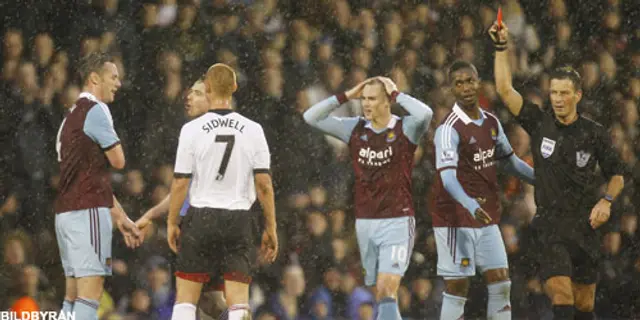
[
  {"x": 582, "y": 158},
  {"x": 484, "y": 158},
  {"x": 547, "y": 147},
  {"x": 375, "y": 158}
]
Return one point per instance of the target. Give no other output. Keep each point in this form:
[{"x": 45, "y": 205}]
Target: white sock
[
  {"x": 499, "y": 303},
  {"x": 184, "y": 311},
  {"x": 452, "y": 307},
  {"x": 239, "y": 312}
]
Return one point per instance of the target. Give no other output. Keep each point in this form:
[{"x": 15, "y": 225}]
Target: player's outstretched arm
[
  {"x": 265, "y": 194},
  {"x": 417, "y": 122},
  {"x": 514, "y": 166},
  {"x": 133, "y": 237},
  {"x": 318, "y": 115},
  {"x": 154, "y": 213},
  {"x": 504, "y": 86}
]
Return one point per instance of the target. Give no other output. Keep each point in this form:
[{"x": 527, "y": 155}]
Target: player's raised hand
[
  {"x": 133, "y": 237},
  {"x": 482, "y": 216},
  {"x": 499, "y": 34},
  {"x": 356, "y": 92},
  {"x": 389, "y": 85},
  {"x": 173, "y": 234},
  {"x": 600, "y": 213},
  {"x": 269, "y": 246}
]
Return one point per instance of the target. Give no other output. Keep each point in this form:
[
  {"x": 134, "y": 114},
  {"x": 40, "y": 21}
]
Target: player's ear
[
  {"x": 235, "y": 86},
  {"x": 94, "y": 77},
  {"x": 578, "y": 96}
]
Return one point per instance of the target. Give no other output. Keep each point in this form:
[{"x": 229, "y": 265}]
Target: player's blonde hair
[{"x": 220, "y": 80}]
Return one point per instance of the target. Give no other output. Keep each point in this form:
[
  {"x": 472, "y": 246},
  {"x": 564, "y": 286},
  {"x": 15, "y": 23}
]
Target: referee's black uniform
[{"x": 570, "y": 162}]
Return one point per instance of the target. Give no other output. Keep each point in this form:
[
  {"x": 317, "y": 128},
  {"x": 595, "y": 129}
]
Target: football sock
[
  {"x": 86, "y": 309},
  {"x": 184, "y": 311},
  {"x": 499, "y": 302},
  {"x": 581, "y": 315},
  {"x": 67, "y": 307},
  {"x": 239, "y": 312},
  {"x": 224, "y": 315},
  {"x": 452, "y": 307},
  {"x": 562, "y": 312},
  {"x": 388, "y": 309}
]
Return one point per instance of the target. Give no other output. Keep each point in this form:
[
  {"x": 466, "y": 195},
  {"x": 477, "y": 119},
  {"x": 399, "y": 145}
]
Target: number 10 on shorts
[{"x": 398, "y": 253}]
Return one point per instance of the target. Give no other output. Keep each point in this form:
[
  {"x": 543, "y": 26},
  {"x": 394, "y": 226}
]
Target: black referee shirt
[{"x": 570, "y": 162}]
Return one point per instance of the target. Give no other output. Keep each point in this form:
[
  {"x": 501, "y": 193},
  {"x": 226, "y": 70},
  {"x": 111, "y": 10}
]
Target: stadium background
[{"x": 288, "y": 55}]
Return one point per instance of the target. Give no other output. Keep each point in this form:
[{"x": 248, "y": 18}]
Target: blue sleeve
[
  {"x": 446, "y": 141},
  {"x": 454, "y": 188},
  {"x": 99, "y": 127},
  {"x": 503, "y": 147},
  {"x": 518, "y": 168},
  {"x": 417, "y": 122},
  {"x": 318, "y": 117}
]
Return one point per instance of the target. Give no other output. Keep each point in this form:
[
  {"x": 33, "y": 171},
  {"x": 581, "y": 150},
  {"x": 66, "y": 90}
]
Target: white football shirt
[{"x": 221, "y": 150}]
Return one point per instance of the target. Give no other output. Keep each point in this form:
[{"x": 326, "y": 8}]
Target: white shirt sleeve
[
  {"x": 184, "y": 155},
  {"x": 261, "y": 160}
]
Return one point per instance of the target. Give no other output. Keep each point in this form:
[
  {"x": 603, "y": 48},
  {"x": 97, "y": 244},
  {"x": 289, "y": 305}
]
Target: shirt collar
[
  {"x": 464, "y": 116},
  {"x": 88, "y": 96},
  {"x": 390, "y": 125}
]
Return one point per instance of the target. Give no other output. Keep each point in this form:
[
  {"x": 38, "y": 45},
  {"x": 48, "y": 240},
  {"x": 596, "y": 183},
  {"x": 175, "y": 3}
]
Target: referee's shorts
[
  {"x": 215, "y": 244},
  {"x": 555, "y": 253}
]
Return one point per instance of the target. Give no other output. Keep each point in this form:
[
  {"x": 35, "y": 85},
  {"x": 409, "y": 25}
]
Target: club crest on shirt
[
  {"x": 494, "y": 134},
  {"x": 391, "y": 136},
  {"x": 582, "y": 158},
  {"x": 547, "y": 147}
]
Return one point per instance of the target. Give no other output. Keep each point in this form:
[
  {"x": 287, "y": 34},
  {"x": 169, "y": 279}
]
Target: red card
[{"x": 499, "y": 17}]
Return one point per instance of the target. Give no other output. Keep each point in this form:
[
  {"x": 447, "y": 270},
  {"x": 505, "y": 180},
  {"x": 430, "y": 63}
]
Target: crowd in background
[{"x": 290, "y": 54}]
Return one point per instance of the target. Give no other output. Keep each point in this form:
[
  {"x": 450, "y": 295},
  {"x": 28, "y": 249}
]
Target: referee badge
[
  {"x": 547, "y": 147},
  {"x": 582, "y": 158}
]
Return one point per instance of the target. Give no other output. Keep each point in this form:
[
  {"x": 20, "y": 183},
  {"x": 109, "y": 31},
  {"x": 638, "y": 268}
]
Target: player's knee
[
  {"x": 584, "y": 301},
  {"x": 559, "y": 291},
  {"x": 457, "y": 287},
  {"x": 496, "y": 275},
  {"x": 387, "y": 286}
]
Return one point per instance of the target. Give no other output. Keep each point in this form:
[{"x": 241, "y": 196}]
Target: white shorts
[
  {"x": 461, "y": 250},
  {"x": 84, "y": 240}
]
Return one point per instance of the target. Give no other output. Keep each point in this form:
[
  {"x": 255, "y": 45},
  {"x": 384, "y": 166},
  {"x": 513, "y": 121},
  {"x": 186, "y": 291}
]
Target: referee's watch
[{"x": 608, "y": 198}]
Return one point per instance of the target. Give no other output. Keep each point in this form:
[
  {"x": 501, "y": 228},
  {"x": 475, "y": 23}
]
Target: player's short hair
[
  {"x": 376, "y": 82},
  {"x": 459, "y": 65},
  {"x": 567, "y": 73},
  {"x": 93, "y": 62},
  {"x": 220, "y": 80}
]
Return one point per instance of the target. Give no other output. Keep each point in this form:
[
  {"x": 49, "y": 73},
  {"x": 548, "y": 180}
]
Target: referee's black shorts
[
  {"x": 556, "y": 253},
  {"x": 215, "y": 243}
]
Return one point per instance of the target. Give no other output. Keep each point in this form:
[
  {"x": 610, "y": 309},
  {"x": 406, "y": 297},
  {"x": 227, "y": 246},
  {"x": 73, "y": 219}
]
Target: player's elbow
[
  {"x": 119, "y": 164},
  {"x": 264, "y": 185},
  {"x": 308, "y": 117}
]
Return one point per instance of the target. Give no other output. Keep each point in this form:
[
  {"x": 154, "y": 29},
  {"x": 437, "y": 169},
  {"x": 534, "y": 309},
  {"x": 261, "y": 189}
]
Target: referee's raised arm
[{"x": 511, "y": 98}]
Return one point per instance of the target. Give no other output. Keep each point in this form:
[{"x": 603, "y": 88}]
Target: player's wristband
[
  {"x": 608, "y": 198},
  {"x": 394, "y": 95},
  {"x": 342, "y": 97}
]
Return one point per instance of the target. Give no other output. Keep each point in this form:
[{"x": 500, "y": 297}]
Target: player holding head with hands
[
  {"x": 571, "y": 155},
  {"x": 382, "y": 147},
  {"x": 85, "y": 206}
]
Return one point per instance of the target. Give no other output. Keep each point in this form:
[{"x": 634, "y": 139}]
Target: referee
[{"x": 567, "y": 151}]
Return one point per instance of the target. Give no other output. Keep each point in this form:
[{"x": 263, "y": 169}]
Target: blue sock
[
  {"x": 86, "y": 309},
  {"x": 388, "y": 309},
  {"x": 67, "y": 307}
]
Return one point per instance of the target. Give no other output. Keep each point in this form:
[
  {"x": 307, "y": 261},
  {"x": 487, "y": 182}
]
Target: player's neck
[
  {"x": 92, "y": 90},
  {"x": 568, "y": 119},
  {"x": 219, "y": 103},
  {"x": 381, "y": 122},
  {"x": 472, "y": 111}
]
